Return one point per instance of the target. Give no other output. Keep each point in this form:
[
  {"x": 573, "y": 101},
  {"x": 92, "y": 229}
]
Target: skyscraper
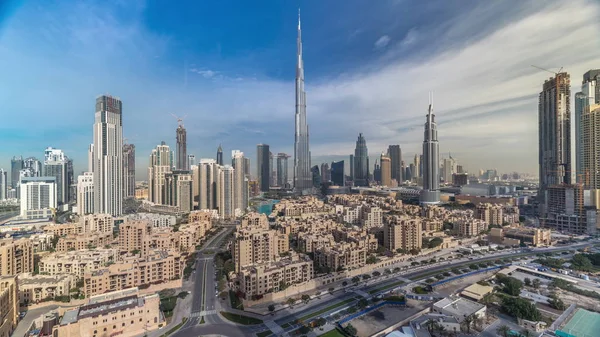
[
  {"x": 191, "y": 161},
  {"x": 325, "y": 173},
  {"x": 554, "y": 133},
  {"x": 395, "y": 156},
  {"x": 302, "y": 173},
  {"x": 108, "y": 156},
  {"x": 361, "y": 162},
  {"x": 337, "y": 173},
  {"x": 282, "y": 169},
  {"x": 587, "y": 130},
  {"x": 128, "y": 170},
  {"x": 181, "y": 137},
  {"x": 431, "y": 161},
  {"x": 57, "y": 165},
  {"x": 386, "y": 170},
  {"x": 85, "y": 193},
  {"x": 263, "y": 166},
  {"x": 16, "y": 165},
  {"x": 240, "y": 181},
  {"x": 316, "y": 176},
  {"x": 3, "y": 184},
  {"x": 220, "y": 155},
  {"x": 417, "y": 172},
  {"x": 38, "y": 197},
  {"x": 178, "y": 189},
  {"x": 34, "y": 166},
  {"x": 351, "y": 167},
  {"x": 225, "y": 192},
  {"x": 161, "y": 163},
  {"x": 208, "y": 178}
]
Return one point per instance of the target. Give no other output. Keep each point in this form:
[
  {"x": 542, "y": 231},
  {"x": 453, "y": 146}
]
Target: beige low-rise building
[
  {"x": 123, "y": 313},
  {"x": 35, "y": 288},
  {"x": 470, "y": 227},
  {"x": 512, "y": 236},
  {"x": 309, "y": 242},
  {"x": 492, "y": 214},
  {"x": 158, "y": 266},
  {"x": 273, "y": 276},
  {"x": 16, "y": 256},
  {"x": 41, "y": 242},
  {"x": 254, "y": 244},
  {"x": 83, "y": 241},
  {"x": 9, "y": 305},
  {"x": 432, "y": 225},
  {"x": 200, "y": 216},
  {"x": 92, "y": 223},
  {"x": 62, "y": 229},
  {"x": 341, "y": 256},
  {"x": 77, "y": 262},
  {"x": 132, "y": 235},
  {"x": 403, "y": 232}
]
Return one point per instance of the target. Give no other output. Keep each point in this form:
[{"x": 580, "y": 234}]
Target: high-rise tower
[
  {"x": 587, "y": 130},
  {"x": 361, "y": 162},
  {"x": 181, "y": 137},
  {"x": 554, "y": 133},
  {"x": 161, "y": 163},
  {"x": 431, "y": 161},
  {"x": 57, "y": 165},
  {"x": 395, "y": 156},
  {"x": 302, "y": 173},
  {"x": 108, "y": 156},
  {"x": 128, "y": 170},
  {"x": 263, "y": 166},
  {"x": 220, "y": 155}
]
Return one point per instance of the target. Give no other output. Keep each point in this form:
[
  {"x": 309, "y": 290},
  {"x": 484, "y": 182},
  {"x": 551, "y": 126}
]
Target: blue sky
[{"x": 229, "y": 66}]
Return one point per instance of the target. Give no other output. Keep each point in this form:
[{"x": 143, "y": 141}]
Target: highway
[{"x": 5, "y": 216}]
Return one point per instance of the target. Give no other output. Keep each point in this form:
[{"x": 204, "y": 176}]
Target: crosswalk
[{"x": 203, "y": 313}]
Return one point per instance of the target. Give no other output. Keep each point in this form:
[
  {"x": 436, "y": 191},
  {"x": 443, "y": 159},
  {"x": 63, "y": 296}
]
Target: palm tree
[
  {"x": 503, "y": 330},
  {"x": 487, "y": 298},
  {"x": 467, "y": 322}
]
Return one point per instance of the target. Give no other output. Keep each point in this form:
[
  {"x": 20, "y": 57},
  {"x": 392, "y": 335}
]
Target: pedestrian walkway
[
  {"x": 362, "y": 293},
  {"x": 274, "y": 327},
  {"x": 203, "y": 313}
]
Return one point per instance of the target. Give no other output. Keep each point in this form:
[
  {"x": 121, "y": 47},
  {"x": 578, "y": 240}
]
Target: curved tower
[
  {"x": 431, "y": 161},
  {"x": 302, "y": 173}
]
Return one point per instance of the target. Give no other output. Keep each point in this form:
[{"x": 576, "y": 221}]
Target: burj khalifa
[
  {"x": 431, "y": 160},
  {"x": 302, "y": 173}
]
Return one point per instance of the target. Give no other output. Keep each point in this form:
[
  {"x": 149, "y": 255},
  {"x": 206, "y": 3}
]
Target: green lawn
[
  {"x": 240, "y": 319},
  {"x": 331, "y": 307},
  {"x": 386, "y": 287},
  {"x": 264, "y": 333},
  {"x": 333, "y": 333},
  {"x": 286, "y": 325},
  {"x": 236, "y": 303},
  {"x": 175, "y": 328}
]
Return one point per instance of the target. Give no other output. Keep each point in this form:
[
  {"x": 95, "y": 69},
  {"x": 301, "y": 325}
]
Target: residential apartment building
[
  {"x": 16, "y": 256},
  {"x": 402, "y": 232},
  {"x": 492, "y": 214},
  {"x": 470, "y": 227},
  {"x": 85, "y": 193},
  {"x": 38, "y": 197},
  {"x": 123, "y": 313},
  {"x": 35, "y": 288},
  {"x": 83, "y": 241},
  {"x": 566, "y": 210},
  {"x": 259, "y": 279},
  {"x": 252, "y": 245},
  {"x": 157, "y": 266},
  {"x": 341, "y": 256},
  {"x": 77, "y": 262},
  {"x": 62, "y": 229},
  {"x": 91, "y": 223},
  {"x": 9, "y": 305},
  {"x": 132, "y": 234}
]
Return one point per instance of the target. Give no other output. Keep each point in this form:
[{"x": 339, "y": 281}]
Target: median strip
[
  {"x": 324, "y": 310},
  {"x": 240, "y": 319},
  {"x": 386, "y": 287}
]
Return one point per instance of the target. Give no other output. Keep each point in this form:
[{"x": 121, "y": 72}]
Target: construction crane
[
  {"x": 179, "y": 119},
  {"x": 550, "y": 71}
]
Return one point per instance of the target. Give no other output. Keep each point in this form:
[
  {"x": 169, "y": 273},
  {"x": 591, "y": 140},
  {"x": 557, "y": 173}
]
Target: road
[
  {"x": 205, "y": 297},
  {"x": 204, "y": 302},
  {"x": 5, "y": 216}
]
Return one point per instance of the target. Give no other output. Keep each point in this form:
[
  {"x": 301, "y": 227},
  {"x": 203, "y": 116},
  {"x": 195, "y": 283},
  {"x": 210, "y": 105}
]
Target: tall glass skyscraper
[
  {"x": 431, "y": 161},
  {"x": 302, "y": 172},
  {"x": 263, "y": 167},
  {"x": 361, "y": 162},
  {"x": 108, "y": 156},
  {"x": 337, "y": 173}
]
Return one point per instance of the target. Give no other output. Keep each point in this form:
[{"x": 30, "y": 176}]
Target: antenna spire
[{"x": 298, "y": 18}]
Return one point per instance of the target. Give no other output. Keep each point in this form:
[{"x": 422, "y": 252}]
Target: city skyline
[{"x": 503, "y": 116}]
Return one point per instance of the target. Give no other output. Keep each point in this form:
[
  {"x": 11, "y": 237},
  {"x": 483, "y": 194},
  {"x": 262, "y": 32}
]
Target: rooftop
[
  {"x": 25, "y": 279},
  {"x": 458, "y": 307}
]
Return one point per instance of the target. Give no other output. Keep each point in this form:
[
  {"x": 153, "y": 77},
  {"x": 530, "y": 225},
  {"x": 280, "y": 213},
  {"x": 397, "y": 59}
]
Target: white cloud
[
  {"x": 382, "y": 42},
  {"x": 410, "y": 37}
]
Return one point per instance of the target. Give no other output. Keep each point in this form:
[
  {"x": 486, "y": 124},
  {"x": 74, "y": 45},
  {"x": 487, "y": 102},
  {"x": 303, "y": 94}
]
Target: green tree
[
  {"x": 468, "y": 322},
  {"x": 351, "y": 330},
  {"x": 271, "y": 307},
  {"x": 536, "y": 283},
  {"x": 290, "y": 301},
  {"x": 344, "y": 283},
  {"x": 526, "y": 333},
  {"x": 372, "y": 259},
  {"x": 527, "y": 281},
  {"x": 581, "y": 262},
  {"x": 305, "y": 298},
  {"x": 331, "y": 289},
  {"x": 503, "y": 331},
  {"x": 555, "y": 302},
  {"x": 520, "y": 308},
  {"x": 362, "y": 303}
]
